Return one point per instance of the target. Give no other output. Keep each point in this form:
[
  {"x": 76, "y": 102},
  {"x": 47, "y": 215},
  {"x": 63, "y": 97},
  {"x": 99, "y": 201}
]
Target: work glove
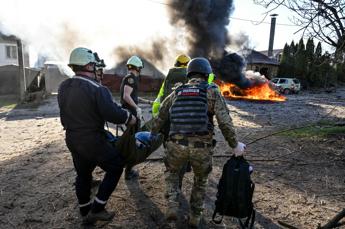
[
  {"x": 139, "y": 113},
  {"x": 239, "y": 149}
]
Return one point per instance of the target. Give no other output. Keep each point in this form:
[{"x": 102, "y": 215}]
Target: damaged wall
[
  {"x": 9, "y": 79},
  {"x": 53, "y": 77}
]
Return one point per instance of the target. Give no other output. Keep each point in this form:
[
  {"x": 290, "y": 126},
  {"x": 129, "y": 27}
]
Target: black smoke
[
  {"x": 205, "y": 22},
  {"x": 155, "y": 51},
  {"x": 231, "y": 69}
]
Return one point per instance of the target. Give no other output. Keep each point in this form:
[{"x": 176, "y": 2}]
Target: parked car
[{"x": 287, "y": 85}]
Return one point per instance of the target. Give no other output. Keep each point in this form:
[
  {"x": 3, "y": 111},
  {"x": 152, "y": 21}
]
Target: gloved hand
[
  {"x": 239, "y": 149},
  {"x": 139, "y": 113}
]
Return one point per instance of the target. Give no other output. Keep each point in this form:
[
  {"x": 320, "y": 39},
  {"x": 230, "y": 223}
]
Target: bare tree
[{"x": 322, "y": 19}]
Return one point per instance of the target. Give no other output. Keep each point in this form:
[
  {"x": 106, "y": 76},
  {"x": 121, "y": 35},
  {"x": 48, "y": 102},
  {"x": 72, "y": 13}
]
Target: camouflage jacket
[{"x": 216, "y": 105}]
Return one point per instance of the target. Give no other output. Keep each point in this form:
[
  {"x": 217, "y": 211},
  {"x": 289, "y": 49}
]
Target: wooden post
[{"x": 21, "y": 68}]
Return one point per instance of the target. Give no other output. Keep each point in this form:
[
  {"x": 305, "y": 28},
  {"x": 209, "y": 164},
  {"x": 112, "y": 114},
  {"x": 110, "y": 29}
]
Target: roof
[
  {"x": 255, "y": 57},
  {"x": 274, "y": 51},
  {"x": 10, "y": 38},
  {"x": 149, "y": 70}
]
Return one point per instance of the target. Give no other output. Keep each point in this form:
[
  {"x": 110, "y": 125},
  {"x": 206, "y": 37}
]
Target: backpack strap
[
  {"x": 251, "y": 217},
  {"x": 252, "y": 214}
]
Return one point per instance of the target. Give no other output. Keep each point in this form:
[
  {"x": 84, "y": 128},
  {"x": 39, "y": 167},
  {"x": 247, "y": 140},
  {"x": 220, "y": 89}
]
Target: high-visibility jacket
[{"x": 175, "y": 75}]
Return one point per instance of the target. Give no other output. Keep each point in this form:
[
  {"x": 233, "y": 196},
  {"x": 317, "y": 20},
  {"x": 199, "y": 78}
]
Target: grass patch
[{"x": 319, "y": 129}]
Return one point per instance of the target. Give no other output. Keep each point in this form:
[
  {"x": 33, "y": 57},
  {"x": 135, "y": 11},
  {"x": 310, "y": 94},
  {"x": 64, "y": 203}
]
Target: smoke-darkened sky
[{"x": 205, "y": 23}]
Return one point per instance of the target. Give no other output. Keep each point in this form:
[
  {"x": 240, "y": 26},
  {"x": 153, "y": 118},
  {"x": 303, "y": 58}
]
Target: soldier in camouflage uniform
[{"x": 191, "y": 108}]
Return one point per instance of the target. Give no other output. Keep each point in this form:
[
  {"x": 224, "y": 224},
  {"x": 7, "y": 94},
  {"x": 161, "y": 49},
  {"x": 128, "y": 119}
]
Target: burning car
[
  {"x": 235, "y": 83},
  {"x": 260, "y": 89}
]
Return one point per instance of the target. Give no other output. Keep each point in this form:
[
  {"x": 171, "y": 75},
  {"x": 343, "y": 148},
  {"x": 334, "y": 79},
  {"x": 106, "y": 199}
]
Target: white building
[{"x": 9, "y": 51}]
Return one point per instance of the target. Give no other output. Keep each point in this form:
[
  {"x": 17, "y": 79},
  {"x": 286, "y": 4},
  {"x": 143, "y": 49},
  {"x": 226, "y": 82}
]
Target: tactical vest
[{"x": 188, "y": 114}]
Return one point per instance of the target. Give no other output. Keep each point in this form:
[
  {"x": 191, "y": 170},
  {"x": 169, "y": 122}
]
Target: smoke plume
[
  {"x": 205, "y": 24},
  {"x": 119, "y": 29},
  {"x": 160, "y": 51},
  {"x": 52, "y": 29}
]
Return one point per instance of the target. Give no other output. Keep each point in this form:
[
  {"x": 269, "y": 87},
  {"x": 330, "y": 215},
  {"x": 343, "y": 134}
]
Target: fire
[{"x": 258, "y": 92}]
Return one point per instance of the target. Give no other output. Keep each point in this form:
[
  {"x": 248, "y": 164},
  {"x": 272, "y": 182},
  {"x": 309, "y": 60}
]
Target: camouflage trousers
[{"x": 201, "y": 162}]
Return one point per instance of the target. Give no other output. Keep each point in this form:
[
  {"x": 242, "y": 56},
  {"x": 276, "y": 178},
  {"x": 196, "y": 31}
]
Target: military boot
[{"x": 103, "y": 215}]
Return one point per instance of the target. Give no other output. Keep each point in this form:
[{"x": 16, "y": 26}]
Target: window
[
  {"x": 282, "y": 81},
  {"x": 296, "y": 81},
  {"x": 274, "y": 80},
  {"x": 11, "y": 52}
]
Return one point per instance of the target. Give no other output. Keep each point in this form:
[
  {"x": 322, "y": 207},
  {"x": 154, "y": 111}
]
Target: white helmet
[
  {"x": 135, "y": 62},
  {"x": 81, "y": 56}
]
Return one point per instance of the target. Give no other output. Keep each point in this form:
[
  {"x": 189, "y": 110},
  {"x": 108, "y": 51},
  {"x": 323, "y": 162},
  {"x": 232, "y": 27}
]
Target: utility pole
[
  {"x": 272, "y": 31},
  {"x": 21, "y": 70}
]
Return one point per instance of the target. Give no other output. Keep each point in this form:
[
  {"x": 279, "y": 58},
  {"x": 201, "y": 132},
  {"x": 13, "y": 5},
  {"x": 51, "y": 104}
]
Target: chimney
[{"x": 273, "y": 27}]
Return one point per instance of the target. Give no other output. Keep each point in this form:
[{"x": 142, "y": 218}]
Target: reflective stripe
[
  {"x": 84, "y": 205},
  {"x": 210, "y": 78},
  {"x": 100, "y": 201},
  {"x": 155, "y": 108},
  {"x": 88, "y": 80},
  {"x": 161, "y": 91}
]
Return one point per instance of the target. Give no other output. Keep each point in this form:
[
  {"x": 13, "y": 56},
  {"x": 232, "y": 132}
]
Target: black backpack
[{"x": 235, "y": 192}]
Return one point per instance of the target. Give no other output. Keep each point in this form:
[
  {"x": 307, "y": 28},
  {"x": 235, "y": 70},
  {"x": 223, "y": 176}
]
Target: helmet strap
[
  {"x": 134, "y": 70},
  {"x": 86, "y": 69}
]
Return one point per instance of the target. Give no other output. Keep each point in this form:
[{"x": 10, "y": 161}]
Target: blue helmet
[{"x": 144, "y": 137}]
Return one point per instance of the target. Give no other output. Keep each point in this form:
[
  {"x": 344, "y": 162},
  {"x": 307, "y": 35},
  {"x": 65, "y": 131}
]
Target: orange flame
[{"x": 258, "y": 92}]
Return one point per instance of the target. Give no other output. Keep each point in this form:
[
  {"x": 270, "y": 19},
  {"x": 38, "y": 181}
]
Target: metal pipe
[{"x": 272, "y": 32}]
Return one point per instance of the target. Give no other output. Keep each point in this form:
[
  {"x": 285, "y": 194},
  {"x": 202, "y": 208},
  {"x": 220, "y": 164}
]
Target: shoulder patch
[{"x": 130, "y": 80}]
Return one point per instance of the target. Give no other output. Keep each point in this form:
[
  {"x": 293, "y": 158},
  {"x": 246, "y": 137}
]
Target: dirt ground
[{"x": 299, "y": 181}]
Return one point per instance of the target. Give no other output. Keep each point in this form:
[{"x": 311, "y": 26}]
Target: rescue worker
[
  {"x": 191, "y": 108},
  {"x": 99, "y": 68},
  {"x": 85, "y": 105},
  {"x": 176, "y": 75},
  {"x": 129, "y": 99}
]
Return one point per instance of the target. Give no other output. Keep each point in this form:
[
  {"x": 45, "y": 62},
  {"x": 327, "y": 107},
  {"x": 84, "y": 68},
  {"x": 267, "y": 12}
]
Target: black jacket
[{"x": 85, "y": 105}]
